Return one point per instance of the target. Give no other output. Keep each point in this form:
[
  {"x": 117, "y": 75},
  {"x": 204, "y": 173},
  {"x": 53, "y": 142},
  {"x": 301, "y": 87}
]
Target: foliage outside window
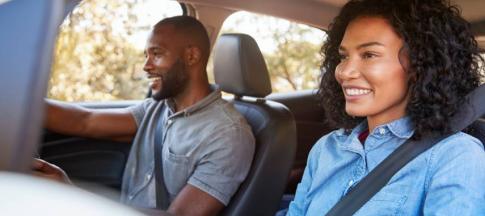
[
  {"x": 291, "y": 50},
  {"x": 99, "y": 50}
]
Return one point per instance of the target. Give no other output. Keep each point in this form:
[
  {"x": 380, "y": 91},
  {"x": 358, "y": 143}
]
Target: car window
[
  {"x": 99, "y": 50},
  {"x": 291, "y": 50}
]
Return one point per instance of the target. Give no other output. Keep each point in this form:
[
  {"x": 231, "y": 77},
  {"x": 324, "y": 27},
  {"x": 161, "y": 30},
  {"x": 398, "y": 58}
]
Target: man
[{"x": 206, "y": 146}]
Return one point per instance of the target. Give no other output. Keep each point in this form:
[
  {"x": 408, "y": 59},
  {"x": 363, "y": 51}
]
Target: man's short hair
[{"x": 192, "y": 28}]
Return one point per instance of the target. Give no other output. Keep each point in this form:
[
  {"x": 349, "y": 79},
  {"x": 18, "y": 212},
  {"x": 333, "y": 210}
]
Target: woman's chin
[{"x": 355, "y": 112}]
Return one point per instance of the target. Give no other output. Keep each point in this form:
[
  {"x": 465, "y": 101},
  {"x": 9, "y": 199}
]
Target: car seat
[{"x": 239, "y": 69}]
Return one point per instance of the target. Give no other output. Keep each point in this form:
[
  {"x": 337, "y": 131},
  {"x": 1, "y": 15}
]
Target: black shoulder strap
[
  {"x": 472, "y": 110},
  {"x": 161, "y": 190}
]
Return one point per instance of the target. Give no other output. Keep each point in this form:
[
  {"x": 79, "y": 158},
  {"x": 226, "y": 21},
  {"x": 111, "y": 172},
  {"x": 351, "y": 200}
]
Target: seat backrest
[{"x": 239, "y": 69}]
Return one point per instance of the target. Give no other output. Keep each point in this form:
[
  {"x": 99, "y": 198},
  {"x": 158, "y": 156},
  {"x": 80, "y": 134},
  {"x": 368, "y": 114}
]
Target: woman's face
[{"x": 370, "y": 73}]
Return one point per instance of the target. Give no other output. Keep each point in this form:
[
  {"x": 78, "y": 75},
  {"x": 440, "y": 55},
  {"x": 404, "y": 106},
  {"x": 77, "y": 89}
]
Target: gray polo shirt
[{"x": 208, "y": 145}]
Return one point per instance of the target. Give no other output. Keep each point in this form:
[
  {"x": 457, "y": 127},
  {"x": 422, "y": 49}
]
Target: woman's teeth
[{"x": 356, "y": 91}]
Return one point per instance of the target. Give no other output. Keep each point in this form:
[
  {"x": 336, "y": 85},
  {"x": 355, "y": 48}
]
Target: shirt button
[
  {"x": 351, "y": 182},
  {"x": 130, "y": 197},
  {"x": 382, "y": 131},
  {"x": 169, "y": 122},
  {"x": 148, "y": 177}
]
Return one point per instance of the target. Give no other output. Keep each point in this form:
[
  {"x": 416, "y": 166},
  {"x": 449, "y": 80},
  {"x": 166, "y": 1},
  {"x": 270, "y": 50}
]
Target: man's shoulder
[
  {"x": 221, "y": 121},
  {"x": 145, "y": 109},
  {"x": 150, "y": 102},
  {"x": 223, "y": 113},
  {"x": 151, "y": 106},
  {"x": 145, "y": 104}
]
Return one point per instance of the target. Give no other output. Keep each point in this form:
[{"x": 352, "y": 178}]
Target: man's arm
[
  {"x": 190, "y": 200},
  {"x": 70, "y": 119},
  {"x": 193, "y": 201}
]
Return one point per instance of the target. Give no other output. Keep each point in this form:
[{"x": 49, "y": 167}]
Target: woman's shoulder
[
  {"x": 338, "y": 134},
  {"x": 457, "y": 168},
  {"x": 459, "y": 150},
  {"x": 331, "y": 140},
  {"x": 460, "y": 142}
]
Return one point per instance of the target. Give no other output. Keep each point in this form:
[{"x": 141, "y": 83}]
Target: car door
[{"x": 28, "y": 33}]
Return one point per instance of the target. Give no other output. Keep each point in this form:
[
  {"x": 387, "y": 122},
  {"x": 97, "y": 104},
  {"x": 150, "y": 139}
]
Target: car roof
[{"x": 316, "y": 13}]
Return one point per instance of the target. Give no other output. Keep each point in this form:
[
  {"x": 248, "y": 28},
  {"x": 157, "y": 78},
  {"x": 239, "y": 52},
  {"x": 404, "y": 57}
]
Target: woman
[{"x": 395, "y": 70}]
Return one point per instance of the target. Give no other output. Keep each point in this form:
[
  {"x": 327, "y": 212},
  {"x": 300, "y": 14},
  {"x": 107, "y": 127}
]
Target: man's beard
[{"x": 173, "y": 81}]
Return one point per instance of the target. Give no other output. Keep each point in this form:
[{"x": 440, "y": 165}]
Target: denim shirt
[{"x": 447, "y": 179}]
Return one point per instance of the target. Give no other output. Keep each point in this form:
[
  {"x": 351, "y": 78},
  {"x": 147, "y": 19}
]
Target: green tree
[
  {"x": 293, "y": 61},
  {"x": 94, "y": 56}
]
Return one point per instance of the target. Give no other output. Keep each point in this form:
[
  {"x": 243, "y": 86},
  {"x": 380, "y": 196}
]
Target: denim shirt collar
[{"x": 401, "y": 128}]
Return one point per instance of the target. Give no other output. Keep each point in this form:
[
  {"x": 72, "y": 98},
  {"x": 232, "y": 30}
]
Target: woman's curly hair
[{"x": 445, "y": 62}]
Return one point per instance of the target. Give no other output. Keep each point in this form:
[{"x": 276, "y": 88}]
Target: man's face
[{"x": 164, "y": 64}]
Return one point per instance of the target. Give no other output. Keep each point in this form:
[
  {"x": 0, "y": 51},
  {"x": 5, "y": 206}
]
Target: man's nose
[{"x": 148, "y": 65}]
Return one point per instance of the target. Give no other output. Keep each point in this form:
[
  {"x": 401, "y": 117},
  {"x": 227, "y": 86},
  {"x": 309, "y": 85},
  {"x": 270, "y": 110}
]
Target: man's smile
[{"x": 155, "y": 81}]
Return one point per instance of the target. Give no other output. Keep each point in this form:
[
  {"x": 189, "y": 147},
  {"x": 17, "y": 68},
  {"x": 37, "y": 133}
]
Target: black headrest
[{"x": 239, "y": 66}]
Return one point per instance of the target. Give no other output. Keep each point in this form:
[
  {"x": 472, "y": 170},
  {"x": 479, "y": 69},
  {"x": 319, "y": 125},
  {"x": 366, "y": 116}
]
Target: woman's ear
[
  {"x": 192, "y": 55},
  {"x": 403, "y": 56}
]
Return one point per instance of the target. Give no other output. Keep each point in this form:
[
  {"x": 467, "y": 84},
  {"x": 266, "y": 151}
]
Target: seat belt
[
  {"x": 161, "y": 191},
  {"x": 473, "y": 109}
]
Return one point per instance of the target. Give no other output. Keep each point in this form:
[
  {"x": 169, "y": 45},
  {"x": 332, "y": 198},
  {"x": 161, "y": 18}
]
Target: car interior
[{"x": 285, "y": 125}]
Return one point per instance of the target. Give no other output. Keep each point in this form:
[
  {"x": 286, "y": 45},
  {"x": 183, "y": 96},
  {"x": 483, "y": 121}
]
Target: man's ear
[{"x": 192, "y": 55}]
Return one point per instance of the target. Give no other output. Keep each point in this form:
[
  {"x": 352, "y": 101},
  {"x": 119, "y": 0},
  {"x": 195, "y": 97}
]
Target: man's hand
[{"x": 47, "y": 170}]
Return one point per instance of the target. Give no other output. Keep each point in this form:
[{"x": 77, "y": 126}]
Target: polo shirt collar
[{"x": 209, "y": 99}]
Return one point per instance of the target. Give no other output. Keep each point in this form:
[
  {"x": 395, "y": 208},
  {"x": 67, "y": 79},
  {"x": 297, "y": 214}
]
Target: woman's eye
[
  {"x": 368, "y": 55},
  {"x": 342, "y": 57}
]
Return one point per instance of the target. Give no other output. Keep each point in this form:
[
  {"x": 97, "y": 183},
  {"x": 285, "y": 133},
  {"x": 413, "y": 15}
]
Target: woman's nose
[{"x": 347, "y": 69}]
